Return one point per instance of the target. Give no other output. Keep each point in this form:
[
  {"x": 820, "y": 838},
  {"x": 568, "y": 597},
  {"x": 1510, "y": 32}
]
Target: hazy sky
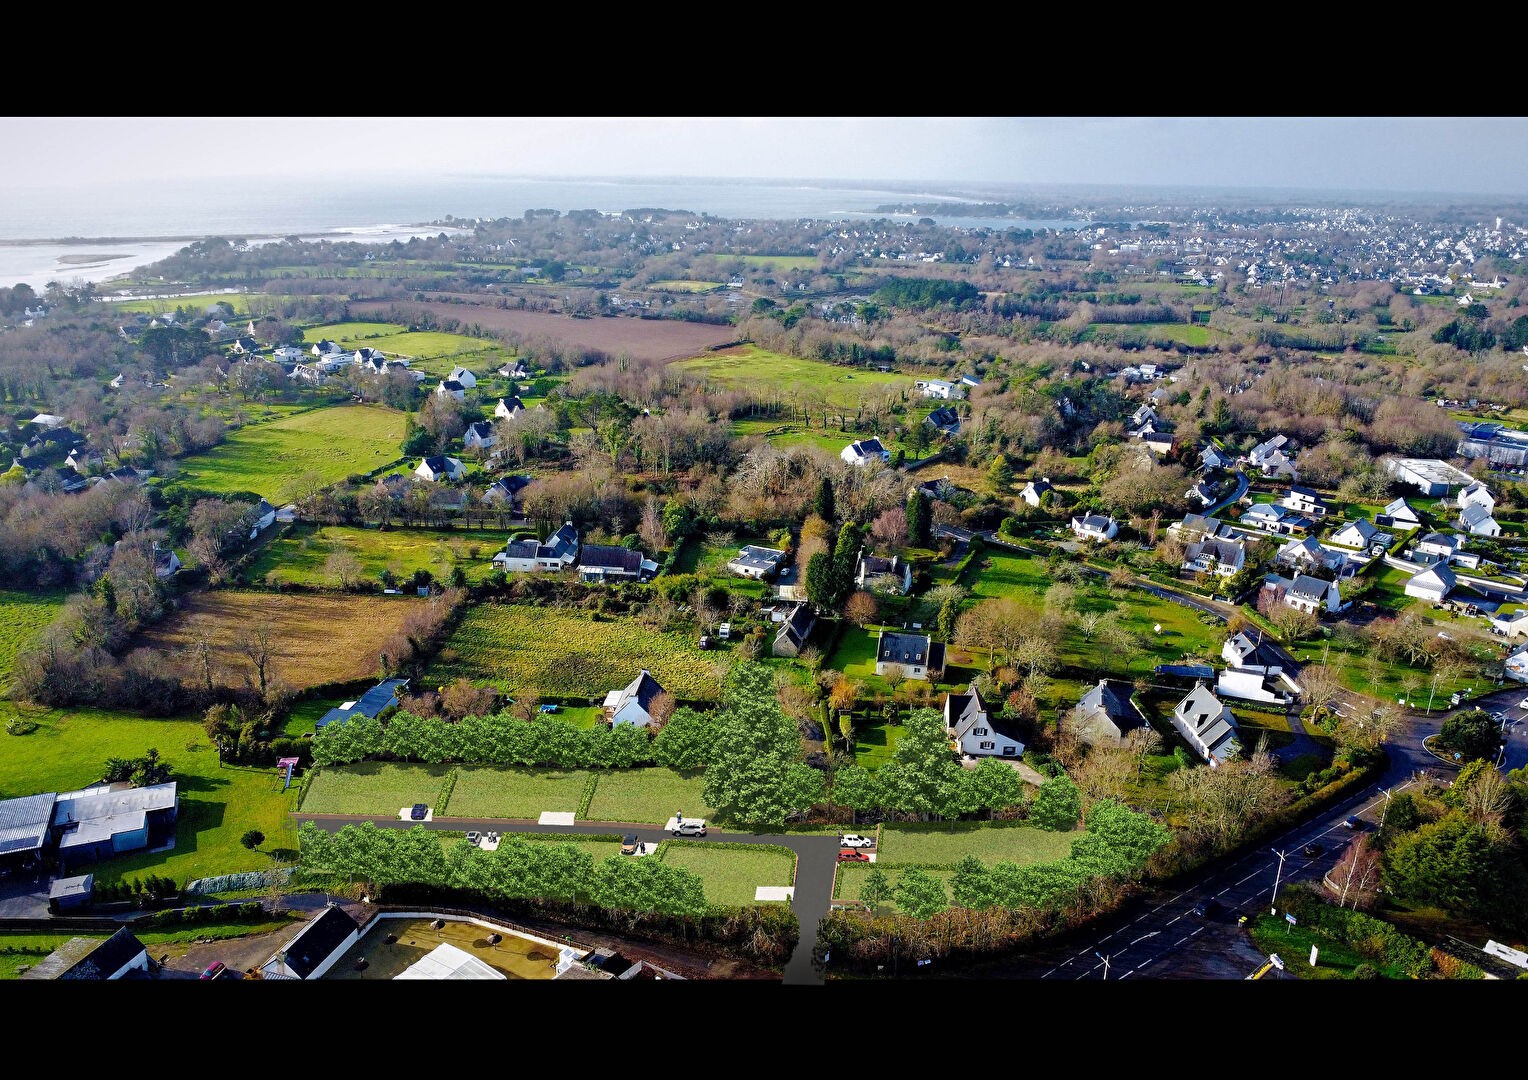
[{"x": 1485, "y": 155}]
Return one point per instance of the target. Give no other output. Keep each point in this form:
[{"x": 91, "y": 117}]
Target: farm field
[
  {"x": 686, "y": 286},
  {"x": 315, "y": 639},
  {"x": 565, "y": 654},
  {"x": 646, "y": 796},
  {"x": 299, "y": 557},
  {"x": 1187, "y": 333},
  {"x": 281, "y": 459},
  {"x": 23, "y": 615},
  {"x": 430, "y": 351},
  {"x": 483, "y": 791},
  {"x": 761, "y": 262},
  {"x": 218, "y": 805},
  {"x": 642, "y": 339},
  {"x": 373, "y": 787},
  {"x": 731, "y": 875},
  {"x": 989, "y": 841},
  {"x": 789, "y": 376}
]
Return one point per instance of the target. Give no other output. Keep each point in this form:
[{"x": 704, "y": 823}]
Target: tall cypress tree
[
  {"x": 824, "y": 504},
  {"x": 919, "y": 519}
]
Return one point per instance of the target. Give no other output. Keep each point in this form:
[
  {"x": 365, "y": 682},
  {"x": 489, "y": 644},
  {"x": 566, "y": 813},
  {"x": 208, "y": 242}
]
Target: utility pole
[
  {"x": 1105, "y": 959},
  {"x": 1386, "y": 793},
  {"x": 1277, "y": 876}
]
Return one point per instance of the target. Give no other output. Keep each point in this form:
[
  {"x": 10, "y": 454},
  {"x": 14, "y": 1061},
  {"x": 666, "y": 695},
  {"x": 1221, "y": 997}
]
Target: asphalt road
[{"x": 816, "y": 862}]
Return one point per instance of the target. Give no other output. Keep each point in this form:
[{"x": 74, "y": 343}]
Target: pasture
[
  {"x": 301, "y": 555},
  {"x": 23, "y": 615},
  {"x": 284, "y": 459},
  {"x": 218, "y": 804},
  {"x": 561, "y": 653},
  {"x": 314, "y": 640},
  {"x": 793, "y": 378},
  {"x": 683, "y": 286}
]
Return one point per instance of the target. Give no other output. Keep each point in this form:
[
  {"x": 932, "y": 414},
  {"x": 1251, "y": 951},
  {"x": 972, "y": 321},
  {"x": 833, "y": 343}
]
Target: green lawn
[
  {"x": 431, "y": 351},
  {"x": 282, "y": 458},
  {"x": 788, "y": 377},
  {"x": 489, "y": 792},
  {"x": 23, "y": 615},
  {"x": 851, "y": 877},
  {"x": 874, "y": 745},
  {"x": 566, "y": 654},
  {"x": 373, "y": 787},
  {"x": 1334, "y": 960},
  {"x": 731, "y": 874},
  {"x": 304, "y": 717},
  {"x": 300, "y": 556},
  {"x": 996, "y": 841},
  {"x": 647, "y": 796},
  {"x": 69, "y": 749}
]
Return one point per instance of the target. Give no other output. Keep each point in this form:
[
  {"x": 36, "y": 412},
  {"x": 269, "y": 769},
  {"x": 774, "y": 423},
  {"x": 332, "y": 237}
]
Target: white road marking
[
  {"x": 1196, "y": 931},
  {"x": 1174, "y": 919},
  {"x": 1126, "y": 975}
]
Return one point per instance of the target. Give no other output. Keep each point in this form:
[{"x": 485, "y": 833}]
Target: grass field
[
  {"x": 68, "y": 751},
  {"x": 679, "y": 285},
  {"x": 285, "y": 457},
  {"x": 788, "y": 377},
  {"x": 561, "y": 653},
  {"x": 374, "y": 787},
  {"x": 300, "y": 556},
  {"x": 731, "y": 874},
  {"x": 989, "y": 841},
  {"x": 430, "y": 351},
  {"x": 314, "y": 639},
  {"x": 1187, "y": 333},
  {"x": 485, "y": 791},
  {"x": 765, "y": 262},
  {"x": 646, "y": 796},
  {"x": 851, "y": 877},
  {"x": 874, "y": 745},
  {"x": 23, "y": 615}
]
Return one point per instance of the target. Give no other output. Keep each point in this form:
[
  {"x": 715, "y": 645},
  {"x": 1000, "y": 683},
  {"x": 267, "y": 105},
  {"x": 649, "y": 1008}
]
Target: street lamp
[
  {"x": 1105, "y": 959},
  {"x": 1386, "y": 793},
  {"x": 1277, "y": 876}
]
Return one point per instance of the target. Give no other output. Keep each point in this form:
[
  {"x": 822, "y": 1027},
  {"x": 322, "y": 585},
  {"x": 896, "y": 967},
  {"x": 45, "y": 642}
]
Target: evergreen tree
[
  {"x": 1000, "y": 474},
  {"x": 824, "y": 504},
  {"x": 919, "y": 519},
  {"x": 1058, "y": 805}
]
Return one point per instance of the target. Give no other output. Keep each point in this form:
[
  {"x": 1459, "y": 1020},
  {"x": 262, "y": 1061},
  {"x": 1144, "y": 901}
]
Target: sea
[{"x": 101, "y": 231}]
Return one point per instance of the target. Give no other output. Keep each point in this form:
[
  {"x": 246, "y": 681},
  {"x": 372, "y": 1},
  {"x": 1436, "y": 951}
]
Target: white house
[
  {"x": 1207, "y": 725},
  {"x": 166, "y": 562},
  {"x": 508, "y": 407},
  {"x": 1241, "y": 651},
  {"x": 1476, "y": 494},
  {"x": 1511, "y": 625},
  {"x": 289, "y": 354},
  {"x": 630, "y": 704},
  {"x": 1202, "y": 493},
  {"x": 1247, "y": 685},
  {"x": 463, "y": 376},
  {"x": 1476, "y": 520},
  {"x": 1430, "y": 476},
  {"x": 316, "y": 947},
  {"x": 1271, "y": 517},
  {"x": 601, "y": 563},
  {"x": 1213, "y": 457},
  {"x": 1304, "y": 500},
  {"x": 970, "y": 724},
  {"x": 558, "y": 552},
  {"x": 95, "y": 959},
  {"x": 1306, "y": 552},
  {"x": 1398, "y": 515},
  {"x": 264, "y": 518},
  {"x": 756, "y": 562},
  {"x": 1441, "y": 545},
  {"x": 1271, "y": 459},
  {"x": 1215, "y": 555},
  {"x": 878, "y": 572},
  {"x": 451, "y": 388},
  {"x": 438, "y": 467},
  {"x": 479, "y": 436},
  {"x": 1035, "y": 489},
  {"x": 1095, "y": 527},
  {"x": 938, "y": 388},
  {"x": 1434, "y": 583},
  {"x": 1516, "y": 665},
  {"x": 918, "y": 655},
  {"x": 1305, "y": 593},
  {"x": 865, "y": 450},
  {"x": 1363, "y": 535}
]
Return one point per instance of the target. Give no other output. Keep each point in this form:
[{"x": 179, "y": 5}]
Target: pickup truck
[{"x": 690, "y": 826}]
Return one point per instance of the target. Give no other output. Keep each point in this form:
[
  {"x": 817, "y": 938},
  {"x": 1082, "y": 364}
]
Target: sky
[{"x": 1464, "y": 155}]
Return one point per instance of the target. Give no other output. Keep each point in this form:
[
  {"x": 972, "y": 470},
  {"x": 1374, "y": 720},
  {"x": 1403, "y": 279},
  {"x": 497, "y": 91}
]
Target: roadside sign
[
  {"x": 1289, "y": 918},
  {"x": 1273, "y": 958},
  {"x": 1312, "y": 956}
]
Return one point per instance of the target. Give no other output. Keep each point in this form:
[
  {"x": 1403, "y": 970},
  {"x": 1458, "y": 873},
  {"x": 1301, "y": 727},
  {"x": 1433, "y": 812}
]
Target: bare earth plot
[
  {"x": 314, "y": 639},
  {"x": 641, "y": 339}
]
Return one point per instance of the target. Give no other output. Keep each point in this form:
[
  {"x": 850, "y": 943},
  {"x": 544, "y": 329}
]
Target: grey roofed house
[
  {"x": 1310, "y": 588},
  {"x": 24, "y": 822},
  {"x": 1205, "y": 526},
  {"x": 1225, "y": 551},
  {"x": 480, "y": 431},
  {"x": 1473, "y": 515},
  {"x": 753, "y": 560},
  {"x": 1215, "y": 458},
  {"x": 316, "y": 941},
  {"x": 1436, "y": 582},
  {"x": 507, "y": 488},
  {"x": 98, "y": 822},
  {"x": 896, "y": 648},
  {"x": 963, "y": 712},
  {"x": 559, "y": 543},
  {"x": 1206, "y": 722},
  {"x": 795, "y": 631},
  {"x": 945, "y": 419},
  {"x": 519, "y": 549},
  {"x": 1107, "y": 709},
  {"x": 1242, "y": 651},
  {"x": 451, "y": 386},
  {"x": 92, "y": 958},
  {"x": 607, "y": 558},
  {"x": 632, "y": 704},
  {"x": 369, "y": 704}
]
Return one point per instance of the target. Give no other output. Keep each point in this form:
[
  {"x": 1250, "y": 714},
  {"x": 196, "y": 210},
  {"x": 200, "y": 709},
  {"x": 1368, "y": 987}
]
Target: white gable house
[
  {"x": 1095, "y": 527},
  {"x": 864, "y": 451},
  {"x": 971, "y": 725}
]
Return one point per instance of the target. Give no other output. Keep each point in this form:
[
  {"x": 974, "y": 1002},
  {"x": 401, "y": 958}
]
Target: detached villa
[
  {"x": 1096, "y": 527},
  {"x": 966, "y": 717},
  {"x": 865, "y": 450},
  {"x": 630, "y": 704},
  {"x": 1107, "y": 714},
  {"x": 558, "y": 552},
  {"x": 1207, "y": 725},
  {"x": 918, "y": 655}
]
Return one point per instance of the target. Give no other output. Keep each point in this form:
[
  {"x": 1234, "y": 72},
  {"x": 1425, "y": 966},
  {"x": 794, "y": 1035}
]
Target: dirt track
[{"x": 641, "y": 339}]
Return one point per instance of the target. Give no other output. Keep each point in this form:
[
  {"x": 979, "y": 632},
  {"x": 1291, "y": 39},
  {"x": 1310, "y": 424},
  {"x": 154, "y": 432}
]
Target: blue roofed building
[{"x": 370, "y": 704}]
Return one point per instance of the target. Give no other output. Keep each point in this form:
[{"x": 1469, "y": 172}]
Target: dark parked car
[
  {"x": 1312, "y": 850},
  {"x": 1205, "y": 908},
  {"x": 419, "y": 812},
  {"x": 1350, "y": 823}
]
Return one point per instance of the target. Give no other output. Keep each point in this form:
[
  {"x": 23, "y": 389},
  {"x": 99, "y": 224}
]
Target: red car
[
  {"x": 214, "y": 971},
  {"x": 851, "y": 855}
]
